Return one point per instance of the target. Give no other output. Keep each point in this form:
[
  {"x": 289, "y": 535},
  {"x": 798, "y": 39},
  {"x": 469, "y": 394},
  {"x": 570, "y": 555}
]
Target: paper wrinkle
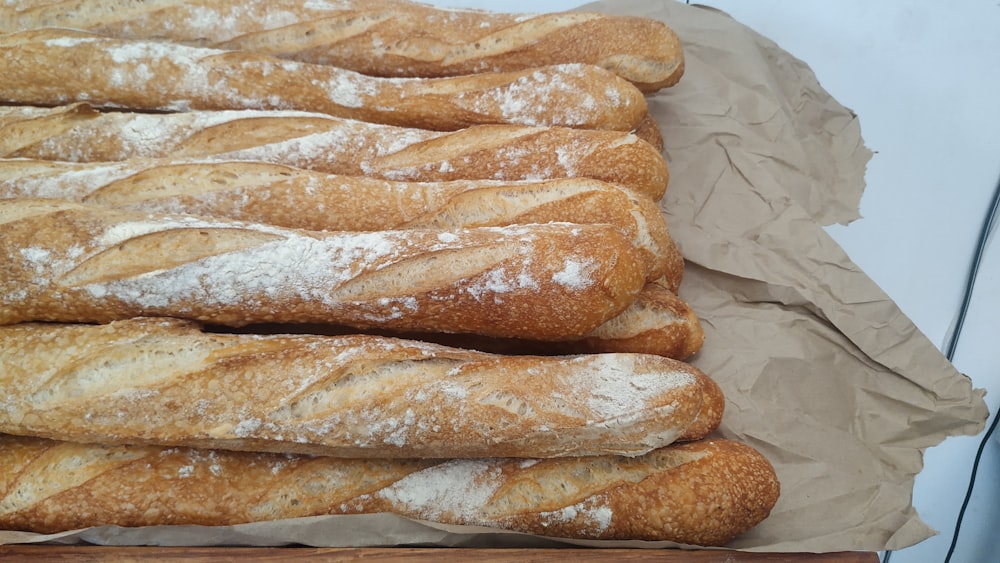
[{"x": 822, "y": 371}]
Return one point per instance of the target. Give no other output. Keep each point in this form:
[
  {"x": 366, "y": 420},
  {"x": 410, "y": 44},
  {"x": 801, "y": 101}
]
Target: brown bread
[
  {"x": 165, "y": 382},
  {"x": 702, "y": 493},
  {"x": 657, "y": 322},
  {"x": 78, "y": 133},
  {"x": 47, "y": 67},
  {"x": 281, "y": 195},
  {"x": 380, "y": 37},
  {"x": 71, "y": 262}
]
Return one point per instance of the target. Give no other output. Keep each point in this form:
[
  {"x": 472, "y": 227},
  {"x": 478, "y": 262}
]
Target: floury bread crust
[
  {"x": 164, "y": 382},
  {"x": 134, "y": 381},
  {"x": 701, "y": 493},
  {"x": 380, "y": 37},
  {"x": 46, "y": 67},
  {"x": 76, "y": 263},
  {"x": 657, "y": 322},
  {"x": 281, "y": 195},
  {"x": 78, "y": 133}
]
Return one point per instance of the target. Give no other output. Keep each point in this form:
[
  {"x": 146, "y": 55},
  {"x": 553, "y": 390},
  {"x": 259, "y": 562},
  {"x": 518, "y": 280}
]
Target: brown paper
[{"x": 822, "y": 372}]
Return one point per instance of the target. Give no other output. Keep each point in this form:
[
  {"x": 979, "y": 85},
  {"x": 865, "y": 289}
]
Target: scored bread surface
[
  {"x": 78, "y": 133},
  {"x": 657, "y": 322},
  {"x": 77, "y": 263},
  {"x": 48, "y": 67},
  {"x": 145, "y": 390},
  {"x": 700, "y": 493},
  {"x": 381, "y": 37},
  {"x": 162, "y": 381},
  {"x": 305, "y": 199}
]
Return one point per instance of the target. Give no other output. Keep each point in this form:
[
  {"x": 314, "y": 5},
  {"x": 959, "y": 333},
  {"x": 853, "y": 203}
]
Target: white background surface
[{"x": 924, "y": 78}]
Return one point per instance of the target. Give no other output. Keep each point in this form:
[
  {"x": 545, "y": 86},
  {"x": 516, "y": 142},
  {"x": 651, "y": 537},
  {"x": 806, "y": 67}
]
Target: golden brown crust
[
  {"x": 77, "y": 133},
  {"x": 702, "y": 493},
  {"x": 47, "y": 67},
  {"x": 708, "y": 501},
  {"x": 77, "y": 263},
  {"x": 657, "y": 322},
  {"x": 713, "y": 407},
  {"x": 165, "y": 382},
  {"x": 383, "y": 37},
  {"x": 291, "y": 197},
  {"x": 649, "y": 130}
]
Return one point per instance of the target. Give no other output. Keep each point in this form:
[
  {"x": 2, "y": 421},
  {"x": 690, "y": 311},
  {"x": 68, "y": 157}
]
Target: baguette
[
  {"x": 657, "y": 322},
  {"x": 164, "y": 382},
  {"x": 700, "y": 493},
  {"x": 71, "y": 262},
  {"x": 290, "y": 197},
  {"x": 78, "y": 133},
  {"x": 649, "y": 130},
  {"x": 382, "y": 37},
  {"x": 713, "y": 408},
  {"x": 46, "y": 67}
]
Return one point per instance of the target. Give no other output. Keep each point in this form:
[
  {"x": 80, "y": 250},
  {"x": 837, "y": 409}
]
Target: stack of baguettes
[{"x": 274, "y": 259}]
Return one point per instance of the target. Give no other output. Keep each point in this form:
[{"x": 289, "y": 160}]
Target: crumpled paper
[{"x": 822, "y": 372}]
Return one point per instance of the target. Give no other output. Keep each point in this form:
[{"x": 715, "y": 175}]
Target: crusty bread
[
  {"x": 47, "y": 67},
  {"x": 701, "y": 493},
  {"x": 466, "y": 254},
  {"x": 71, "y": 262},
  {"x": 280, "y": 195},
  {"x": 713, "y": 408},
  {"x": 649, "y": 130},
  {"x": 78, "y": 133},
  {"x": 164, "y": 382},
  {"x": 657, "y": 322},
  {"x": 380, "y": 37}
]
